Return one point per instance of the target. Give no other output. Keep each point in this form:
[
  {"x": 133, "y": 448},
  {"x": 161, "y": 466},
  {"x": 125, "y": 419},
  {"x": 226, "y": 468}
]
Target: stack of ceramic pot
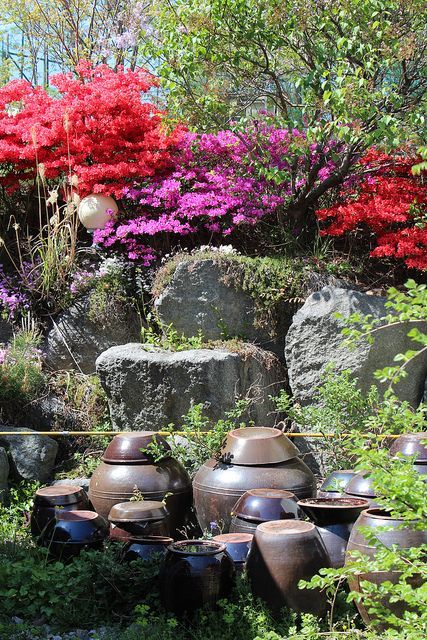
[
  {"x": 196, "y": 573},
  {"x": 262, "y": 505},
  {"x": 334, "y": 518},
  {"x": 377, "y": 520},
  {"x": 412, "y": 444},
  {"x": 335, "y": 483},
  {"x": 282, "y": 553},
  {"x": 251, "y": 458},
  {"x": 49, "y": 500},
  {"x": 128, "y": 466},
  {"x": 71, "y": 532}
]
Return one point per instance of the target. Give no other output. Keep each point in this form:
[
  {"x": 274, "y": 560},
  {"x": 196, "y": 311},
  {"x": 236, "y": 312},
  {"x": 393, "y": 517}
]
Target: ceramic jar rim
[
  {"x": 345, "y": 503},
  {"x": 209, "y": 548}
]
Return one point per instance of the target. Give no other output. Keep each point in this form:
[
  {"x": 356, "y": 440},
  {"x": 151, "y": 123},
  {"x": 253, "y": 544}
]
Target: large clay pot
[
  {"x": 334, "y": 518},
  {"x": 245, "y": 464},
  {"x": 195, "y": 573},
  {"x": 125, "y": 467},
  {"x": 335, "y": 483},
  {"x": 411, "y": 444},
  {"x": 71, "y": 532},
  {"x": 283, "y": 552},
  {"x": 402, "y": 537},
  {"x": 261, "y": 505},
  {"x": 145, "y": 548},
  {"x": 48, "y": 500}
]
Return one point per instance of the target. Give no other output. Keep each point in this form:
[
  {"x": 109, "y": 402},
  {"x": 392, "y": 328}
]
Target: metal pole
[{"x": 66, "y": 434}]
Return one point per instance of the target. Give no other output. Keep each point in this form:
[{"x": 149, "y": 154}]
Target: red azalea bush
[
  {"x": 98, "y": 129},
  {"x": 391, "y": 202}
]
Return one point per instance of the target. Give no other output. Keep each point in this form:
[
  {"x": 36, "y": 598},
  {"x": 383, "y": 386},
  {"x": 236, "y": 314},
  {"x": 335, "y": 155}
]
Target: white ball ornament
[{"x": 95, "y": 211}]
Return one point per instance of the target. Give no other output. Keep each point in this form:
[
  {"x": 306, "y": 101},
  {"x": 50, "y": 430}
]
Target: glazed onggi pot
[
  {"x": 411, "y": 444},
  {"x": 335, "y": 483},
  {"x": 196, "y": 573},
  {"x": 261, "y": 505},
  {"x": 283, "y": 552},
  {"x": 404, "y": 538},
  {"x": 141, "y": 518},
  {"x": 237, "y": 545},
  {"x": 334, "y": 518},
  {"x": 71, "y": 532},
  {"x": 252, "y": 458},
  {"x": 49, "y": 500},
  {"x": 145, "y": 548},
  {"x": 125, "y": 468}
]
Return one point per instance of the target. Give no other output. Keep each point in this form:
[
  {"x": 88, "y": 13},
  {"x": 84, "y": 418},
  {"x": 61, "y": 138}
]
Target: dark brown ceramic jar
[
  {"x": 141, "y": 518},
  {"x": 49, "y": 500},
  {"x": 261, "y": 505},
  {"x": 334, "y": 518},
  {"x": 125, "y": 468},
  {"x": 196, "y": 573},
  {"x": 335, "y": 483},
  {"x": 237, "y": 545},
  {"x": 252, "y": 458},
  {"x": 145, "y": 548},
  {"x": 403, "y": 538},
  {"x": 71, "y": 532},
  {"x": 283, "y": 552},
  {"x": 411, "y": 444}
]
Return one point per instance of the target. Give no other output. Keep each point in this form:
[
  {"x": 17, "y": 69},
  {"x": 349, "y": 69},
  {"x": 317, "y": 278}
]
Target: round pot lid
[
  {"x": 60, "y": 495},
  {"x": 411, "y": 444},
  {"x": 261, "y": 505},
  {"x": 360, "y": 485},
  {"x": 257, "y": 446},
  {"x": 138, "y": 511},
  {"x": 126, "y": 447},
  {"x": 324, "y": 511}
]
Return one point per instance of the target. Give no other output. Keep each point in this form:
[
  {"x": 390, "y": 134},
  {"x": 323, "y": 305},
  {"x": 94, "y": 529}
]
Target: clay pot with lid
[
  {"x": 238, "y": 546},
  {"x": 251, "y": 458},
  {"x": 404, "y": 538},
  {"x": 196, "y": 573},
  {"x": 71, "y": 532},
  {"x": 261, "y": 505},
  {"x": 335, "y": 483},
  {"x": 49, "y": 500},
  {"x": 141, "y": 518},
  {"x": 334, "y": 518},
  {"x": 283, "y": 552},
  {"x": 412, "y": 444},
  {"x": 125, "y": 467}
]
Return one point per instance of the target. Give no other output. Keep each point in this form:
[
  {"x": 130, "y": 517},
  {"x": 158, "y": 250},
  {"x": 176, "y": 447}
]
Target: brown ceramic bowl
[
  {"x": 60, "y": 495},
  {"x": 360, "y": 485},
  {"x": 326, "y": 511},
  {"x": 337, "y": 481},
  {"x": 126, "y": 447},
  {"x": 262, "y": 505},
  {"x": 257, "y": 446},
  {"x": 411, "y": 444}
]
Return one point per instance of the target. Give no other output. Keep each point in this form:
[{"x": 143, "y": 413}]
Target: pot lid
[
  {"x": 144, "y": 510},
  {"x": 261, "y": 505},
  {"x": 126, "y": 447},
  {"x": 360, "y": 485},
  {"x": 411, "y": 444},
  {"x": 60, "y": 495},
  {"x": 257, "y": 446}
]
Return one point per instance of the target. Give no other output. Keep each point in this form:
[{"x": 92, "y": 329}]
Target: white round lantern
[{"x": 95, "y": 211}]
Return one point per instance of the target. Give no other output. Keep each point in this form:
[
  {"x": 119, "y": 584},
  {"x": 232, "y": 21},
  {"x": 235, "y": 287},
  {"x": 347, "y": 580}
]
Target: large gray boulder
[
  {"x": 199, "y": 299},
  {"x": 148, "y": 388},
  {"x": 32, "y": 457},
  {"x": 75, "y": 341},
  {"x": 314, "y": 340}
]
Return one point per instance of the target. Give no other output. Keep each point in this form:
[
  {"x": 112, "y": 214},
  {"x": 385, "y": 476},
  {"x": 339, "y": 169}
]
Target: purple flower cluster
[
  {"x": 13, "y": 300},
  {"x": 219, "y": 182}
]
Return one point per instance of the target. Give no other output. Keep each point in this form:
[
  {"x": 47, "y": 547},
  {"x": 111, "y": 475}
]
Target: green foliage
[
  {"x": 108, "y": 298},
  {"x": 14, "y": 515},
  {"x": 167, "y": 337},
  {"x": 21, "y": 375}
]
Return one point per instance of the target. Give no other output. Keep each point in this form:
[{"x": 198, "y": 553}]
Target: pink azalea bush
[{"x": 220, "y": 182}]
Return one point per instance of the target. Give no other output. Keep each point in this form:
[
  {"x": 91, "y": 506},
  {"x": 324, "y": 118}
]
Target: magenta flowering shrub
[
  {"x": 220, "y": 182},
  {"x": 13, "y": 300}
]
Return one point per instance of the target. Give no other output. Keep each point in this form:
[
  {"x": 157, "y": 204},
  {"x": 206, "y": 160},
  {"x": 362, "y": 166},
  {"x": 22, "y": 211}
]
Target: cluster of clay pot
[{"x": 258, "y": 491}]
